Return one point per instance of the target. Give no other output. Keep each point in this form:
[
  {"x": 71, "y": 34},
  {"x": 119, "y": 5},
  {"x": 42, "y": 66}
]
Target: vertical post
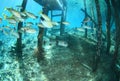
[
  {"x": 40, "y": 53},
  {"x": 63, "y": 18},
  {"x": 85, "y": 17},
  {"x": 19, "y": 40},
  {"x": 99, "y": 35},
  {"x": 117, "y": 25},
  {"x": 115, "y": 4},
  {"x": 93, "y": 25},
  {"x": 108, "y": 28}
]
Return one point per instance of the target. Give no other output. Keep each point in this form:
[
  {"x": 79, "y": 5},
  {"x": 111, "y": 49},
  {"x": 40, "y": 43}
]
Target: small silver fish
[
  {"x": 45, "y": 17},
  {"x": 7, "y": 27},
  {"x": 14, "y": 18},
  {"x": 29, "y": 23},
  {"x": 40, "y": 25},
  {"x": 62, "y": 43},
  {"x": 11, "y": 20},
  {"x": 47, "y": 24},
  {"x": 15, "y": 34},
  {"x": 5, "y": 32},
  {"x": 31, "y": 15},
  {"x": 65, "y": 23},
  {"x": 86, "y": 19},
  {"x": 14, "y": 12},
  {"x": 28, "y": 30},
  {"x": 80, "y": 29},
  {"x": 23, "y": 14},
  {"x": 31, "y": 31},
  {"x": 87, "y": 27},
  {"x": 55, "y": 23}
]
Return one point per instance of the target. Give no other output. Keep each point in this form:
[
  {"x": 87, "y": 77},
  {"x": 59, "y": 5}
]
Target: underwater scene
[{"x": 59, "y": 40}]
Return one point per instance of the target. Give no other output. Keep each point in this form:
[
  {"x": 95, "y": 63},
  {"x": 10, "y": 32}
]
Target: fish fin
[{"x": 41, "y": 12}]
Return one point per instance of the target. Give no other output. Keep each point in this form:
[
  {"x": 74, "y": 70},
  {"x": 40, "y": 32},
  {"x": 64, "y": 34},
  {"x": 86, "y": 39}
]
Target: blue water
[{"x": 66, "y": 59}]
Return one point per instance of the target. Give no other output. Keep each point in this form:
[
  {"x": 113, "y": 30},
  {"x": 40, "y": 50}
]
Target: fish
[
  {"x": 23, "y": 14},
  {"x": 21, "y": 31},
  {"x": 27, "y": 30},
  {"x": 118, "y": 66},
  {"x": 7, "y": 27},
  {"x": 65, "y": 23},
  {"x": 86, "y": 19},
  {"x": 55, "y": 23},
  {"x": 62, "y": 43},
  {"x": 15, "y": 34},
  {"x": 45, "y": 17},
  {"x": 80, "y": 29},
  {"x": 14, "y": 12},
  {"x": 29, "y": 23},
  {"x": 47, "y": 21},
  {"x": 7, "y": 9},
  {"x": 5, "y": 16},
  {"x": 31, "y": 15},
  {"x": 20, "y": 19},
  {"x": 31, "y": 31},
  {"x": 87, "y": 27},
  {"x": 86, "y": 66},
  {"x": 47, "y": 24},
  {"x": 13, "y": 24},
  {"x": 11, "y": 20},
  {"x": 5, "y": 32},
  {"x": 40, "y": 25}
]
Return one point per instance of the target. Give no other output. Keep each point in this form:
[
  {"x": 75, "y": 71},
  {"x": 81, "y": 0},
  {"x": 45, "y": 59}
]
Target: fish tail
[
  {"x": 5, "y": 9},
  {"x": 4, "y": 15},
  {"x": 41, "y": 12}
]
